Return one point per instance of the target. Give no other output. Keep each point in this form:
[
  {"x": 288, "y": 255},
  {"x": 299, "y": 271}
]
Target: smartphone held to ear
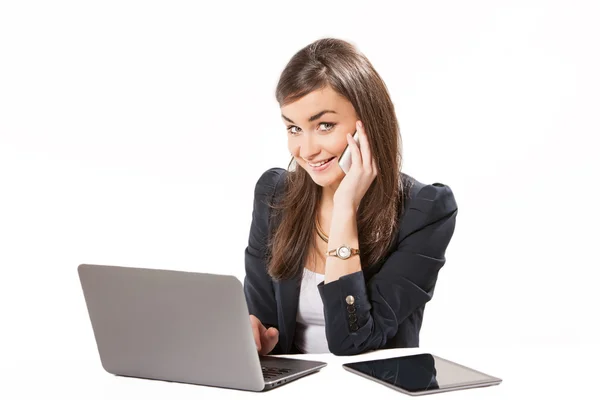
[{"x": 346, "y": 157}]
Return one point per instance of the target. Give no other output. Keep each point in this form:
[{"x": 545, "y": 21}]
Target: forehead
[{"x": 316, "y": 101}]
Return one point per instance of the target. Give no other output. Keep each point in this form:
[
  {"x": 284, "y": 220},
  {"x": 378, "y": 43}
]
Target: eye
[
  {"x": 294, "y": 130},
  {"x": 290, "y": 129},
  {"x": 331, "y": 126}
]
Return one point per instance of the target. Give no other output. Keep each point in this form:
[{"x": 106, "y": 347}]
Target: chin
[{"x": 324, "y": 180}]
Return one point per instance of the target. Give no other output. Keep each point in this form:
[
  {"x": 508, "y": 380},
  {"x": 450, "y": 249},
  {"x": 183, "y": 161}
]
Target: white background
[{"x": 133, "y": 133}]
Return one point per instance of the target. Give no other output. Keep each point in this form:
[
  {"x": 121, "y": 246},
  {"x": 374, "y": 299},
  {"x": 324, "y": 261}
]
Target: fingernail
[{"x": 359, "y": 124}]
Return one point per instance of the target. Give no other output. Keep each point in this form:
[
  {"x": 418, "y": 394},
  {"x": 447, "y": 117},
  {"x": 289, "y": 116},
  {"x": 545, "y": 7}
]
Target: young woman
[{"x": 337, "y": 262}]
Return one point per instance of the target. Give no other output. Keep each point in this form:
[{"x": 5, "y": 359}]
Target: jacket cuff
[{"x": 346, "y": 303}]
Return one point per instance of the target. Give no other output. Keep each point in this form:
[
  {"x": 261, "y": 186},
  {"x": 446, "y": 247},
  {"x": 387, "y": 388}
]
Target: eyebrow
[{"x": 313, "y": 118}]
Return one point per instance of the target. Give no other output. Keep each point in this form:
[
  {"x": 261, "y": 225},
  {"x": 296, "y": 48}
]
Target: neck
[{"x": 327, "y": 196}]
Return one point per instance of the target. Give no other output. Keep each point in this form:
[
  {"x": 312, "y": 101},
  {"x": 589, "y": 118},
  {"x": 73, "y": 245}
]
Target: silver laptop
[{"x": 177, "y": 326}]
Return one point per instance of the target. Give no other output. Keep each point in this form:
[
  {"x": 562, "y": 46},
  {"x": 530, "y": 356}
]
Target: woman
[{"x": 337, "y": 262}]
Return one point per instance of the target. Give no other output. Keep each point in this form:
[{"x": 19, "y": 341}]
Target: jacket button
[
  {"x": 351, "y": 309},
  {"x": 352, "y": 318},
  {"x": 350, "y": 300},
  {"x": 353, "y": 327}
]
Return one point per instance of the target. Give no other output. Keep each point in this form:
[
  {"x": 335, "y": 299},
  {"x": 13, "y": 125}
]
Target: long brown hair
[{"x": 339, "y": 65}]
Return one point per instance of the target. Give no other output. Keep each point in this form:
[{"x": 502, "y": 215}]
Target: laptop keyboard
[{"x": 270, "y": 373}]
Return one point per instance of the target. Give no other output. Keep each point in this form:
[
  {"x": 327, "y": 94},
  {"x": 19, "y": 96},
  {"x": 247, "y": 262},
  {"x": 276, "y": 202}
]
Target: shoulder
[
  {"x": 425, "y": 203},
  {"x": 264, "y": 193},
  {"x": 428, "y": 197},
  {"x": 268, "y": 182}
]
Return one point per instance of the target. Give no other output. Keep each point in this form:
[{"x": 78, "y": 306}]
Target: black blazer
[{"x": 389, "y": 297}]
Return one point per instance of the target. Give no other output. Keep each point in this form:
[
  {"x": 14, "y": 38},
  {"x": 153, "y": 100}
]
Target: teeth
[{"x": 319, "y": 164}]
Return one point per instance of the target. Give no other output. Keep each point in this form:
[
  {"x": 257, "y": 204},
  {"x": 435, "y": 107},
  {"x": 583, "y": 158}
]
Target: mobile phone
[{"x": 346, "y": 157}]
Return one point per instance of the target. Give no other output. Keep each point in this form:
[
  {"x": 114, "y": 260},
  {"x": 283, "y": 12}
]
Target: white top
[{"x": 310, "y": 320}]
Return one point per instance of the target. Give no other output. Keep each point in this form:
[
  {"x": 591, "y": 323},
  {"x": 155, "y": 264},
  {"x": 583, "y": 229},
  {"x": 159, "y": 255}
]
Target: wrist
[
  {"x": 343, "y": 223},
  {"x": 345, "y": 208}
]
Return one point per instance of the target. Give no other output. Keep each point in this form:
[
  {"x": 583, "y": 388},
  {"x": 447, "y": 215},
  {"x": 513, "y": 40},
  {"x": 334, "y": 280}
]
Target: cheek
[
  {"x": 293, "y": 148},
  {"x": 333, "y": 145},
  {"x": 340, "y": 145}
]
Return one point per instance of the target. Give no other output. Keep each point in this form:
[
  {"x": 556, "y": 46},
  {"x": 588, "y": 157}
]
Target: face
[{"x": 317, "y": 125}]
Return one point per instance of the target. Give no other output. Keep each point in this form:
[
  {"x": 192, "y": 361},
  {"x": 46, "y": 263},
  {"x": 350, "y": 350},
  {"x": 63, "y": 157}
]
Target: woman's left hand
[{"x": 361, "y": 175}]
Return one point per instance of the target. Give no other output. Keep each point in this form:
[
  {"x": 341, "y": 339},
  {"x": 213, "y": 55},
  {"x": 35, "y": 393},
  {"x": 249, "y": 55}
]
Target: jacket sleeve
[
  {"x": 404, "y": 283},
  {"x": 258, "y": 285}
]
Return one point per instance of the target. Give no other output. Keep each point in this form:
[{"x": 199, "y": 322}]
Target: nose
[{"x": 309, "y": 147}]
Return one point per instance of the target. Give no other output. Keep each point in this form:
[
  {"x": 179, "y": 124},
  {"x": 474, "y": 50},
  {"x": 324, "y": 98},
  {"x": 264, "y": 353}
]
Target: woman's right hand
[{"x": 265, "y": 339}]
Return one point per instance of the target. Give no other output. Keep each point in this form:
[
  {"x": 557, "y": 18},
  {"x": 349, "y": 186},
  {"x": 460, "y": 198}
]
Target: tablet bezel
[{"x": 490, "y": 381}]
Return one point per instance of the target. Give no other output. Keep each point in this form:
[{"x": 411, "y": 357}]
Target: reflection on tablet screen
[{"x": 422, "y": 373}]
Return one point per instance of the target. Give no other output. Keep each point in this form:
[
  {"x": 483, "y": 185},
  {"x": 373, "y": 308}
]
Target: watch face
[{"x": 343, "y": 252}]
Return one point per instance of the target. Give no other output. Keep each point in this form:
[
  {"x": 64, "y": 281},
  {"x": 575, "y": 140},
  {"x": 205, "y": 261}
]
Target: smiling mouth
[{"x": 321, "y": 163}]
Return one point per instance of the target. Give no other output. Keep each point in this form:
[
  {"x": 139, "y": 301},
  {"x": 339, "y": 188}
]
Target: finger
[
  {"x": 365, "y": 148},
  {"x": 256, "y": 334},
  {"x": 374, "y": 167},
  {"x": 271, "y": 337},
  {"x": 261, "y": 328},
  {"x": 355, "y": 151}
]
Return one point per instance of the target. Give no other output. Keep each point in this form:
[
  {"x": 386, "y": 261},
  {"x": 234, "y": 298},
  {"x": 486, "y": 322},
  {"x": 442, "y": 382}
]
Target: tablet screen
[{"x": 421, "y": 372}]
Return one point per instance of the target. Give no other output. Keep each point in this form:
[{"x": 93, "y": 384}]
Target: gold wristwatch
[{"x": 344, "y": 252}]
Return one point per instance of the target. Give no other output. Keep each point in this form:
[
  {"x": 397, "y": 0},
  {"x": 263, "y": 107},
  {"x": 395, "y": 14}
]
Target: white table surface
[{"x": 527, "y": 373}]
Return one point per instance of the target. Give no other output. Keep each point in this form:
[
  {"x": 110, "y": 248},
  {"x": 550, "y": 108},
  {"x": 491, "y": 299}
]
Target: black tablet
[{"x": 421, "y": 374}]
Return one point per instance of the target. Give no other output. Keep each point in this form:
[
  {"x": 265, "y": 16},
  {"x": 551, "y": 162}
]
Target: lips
[
  {"x": 321, "y": 163},
  {"x": 321, "y": 167}
]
